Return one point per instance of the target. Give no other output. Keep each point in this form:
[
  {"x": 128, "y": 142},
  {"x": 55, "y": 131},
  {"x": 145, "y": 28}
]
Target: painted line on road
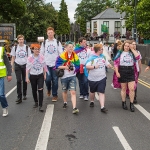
[
  {"x": 143, "y": 111},
  {"x": 11, "y": 91},
  {"x": 45, "y": 129},
  {"x": 122, "y": 138}
]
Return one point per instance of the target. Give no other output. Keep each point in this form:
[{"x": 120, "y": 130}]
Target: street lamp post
[
  {"x": 121, "y": 18},
  {"x": 134, "y": 29}
]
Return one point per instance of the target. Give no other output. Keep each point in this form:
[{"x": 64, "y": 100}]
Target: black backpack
[{"x": 26, "y": 49}]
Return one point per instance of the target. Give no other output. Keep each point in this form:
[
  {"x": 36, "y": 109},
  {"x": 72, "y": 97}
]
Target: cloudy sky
[{"x": 72, "y": 5}]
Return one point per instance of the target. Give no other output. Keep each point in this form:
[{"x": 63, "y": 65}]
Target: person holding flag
[{"x": 83, "y": 54}]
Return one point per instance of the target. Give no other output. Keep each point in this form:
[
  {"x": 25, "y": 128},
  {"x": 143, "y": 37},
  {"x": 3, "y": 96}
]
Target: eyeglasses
[{"x": 101, "y": 49}]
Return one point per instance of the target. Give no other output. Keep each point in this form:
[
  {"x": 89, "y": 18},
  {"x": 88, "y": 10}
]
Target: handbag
[{"x": 59, "y": 72}]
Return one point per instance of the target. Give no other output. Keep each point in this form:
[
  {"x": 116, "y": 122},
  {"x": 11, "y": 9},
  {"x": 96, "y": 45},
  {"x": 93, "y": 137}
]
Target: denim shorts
[{"x": 69, "y": 83}]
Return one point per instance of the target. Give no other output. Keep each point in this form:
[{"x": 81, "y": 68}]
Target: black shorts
[
  {"x": 126, "y": 74},
  {"x": 97, "y": 86}
]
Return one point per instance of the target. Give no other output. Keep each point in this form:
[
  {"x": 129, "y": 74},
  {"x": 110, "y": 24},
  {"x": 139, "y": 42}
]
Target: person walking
[
  {"x": 83, "y": 54},
  {"x": 50, "y": 49},
  {"x": 5, "y": 70},
  {"x": 97, "y": 75},
  {"x": 69, "y": 61},
  {"x": 19, "y": 55},
  {"x": 36, "y": 74},
  {"x": 126, "y": 72}
]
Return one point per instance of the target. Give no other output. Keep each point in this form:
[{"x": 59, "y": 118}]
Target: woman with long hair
[{"x": 126, "y": 72}]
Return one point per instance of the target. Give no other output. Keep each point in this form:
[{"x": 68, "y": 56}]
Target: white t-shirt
[
  {"x": 69, "y": 73},
  {"x": 20, "y": 54},
  {"x": 137, "y": 63},
  {"x": 99, "y": 73},
  {"x": 36, "y": 67},
  {"x": 126, "y": 59},
  {"x": 51, "y": 51},
  {"x": 84, "y": 55}
]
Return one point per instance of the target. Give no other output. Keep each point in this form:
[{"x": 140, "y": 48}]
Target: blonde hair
[
  {"x": 97, "y": 47},
  {"x": 20, "y": 36}
]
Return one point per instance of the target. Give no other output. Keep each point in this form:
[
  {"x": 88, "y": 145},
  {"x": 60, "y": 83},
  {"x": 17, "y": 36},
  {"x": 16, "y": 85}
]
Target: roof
[{"x": 109, "y": 13}]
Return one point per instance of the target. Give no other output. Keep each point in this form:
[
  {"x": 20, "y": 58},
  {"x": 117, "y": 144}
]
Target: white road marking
[
  {"x": 122, "y": 139},
  {"x": 143, "y": 111},
  {"x": 11, "y": 91},
  {"x": 96, "y": 95},
  {"x": 45, "y": 129}
]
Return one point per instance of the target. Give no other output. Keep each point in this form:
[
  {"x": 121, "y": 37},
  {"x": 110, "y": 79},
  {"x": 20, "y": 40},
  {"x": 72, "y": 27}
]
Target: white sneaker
[
  {"x": 113, "y": 86},
  {"x": 85, "y": 98},
  {"x": 81, "y": 96},
  {"x": 5, "y": 112}
]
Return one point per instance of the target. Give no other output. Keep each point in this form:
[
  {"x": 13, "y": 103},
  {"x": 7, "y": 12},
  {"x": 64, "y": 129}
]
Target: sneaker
[
  {"x": 65, "y": 105},
  {"x": 35, "y": 105},
  {"x": 54, "y": 99},
  {"x": 5, "y": 112},
  {"x": 75, "y": 111},
  {"x": 24, "y": 97},
  {"x": 19, "y": 101},
  {"x": 81, "y": 97},
  {"x": 85, "y": 98},
  {"x": 92, "y": 104},
  {"x": 41, "y": 109},
  {"x": 113, "y": 86},
  {"x": 104, "y": 110},
  {"x": 48, "y": 93}
]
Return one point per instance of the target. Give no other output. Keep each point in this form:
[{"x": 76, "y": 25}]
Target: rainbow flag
[
  {"x": 78, "y": 48},
  {"x": 63, "y": 60}
]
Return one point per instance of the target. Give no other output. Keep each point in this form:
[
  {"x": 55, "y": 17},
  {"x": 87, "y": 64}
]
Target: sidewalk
[{"x": 145, "y": 76}]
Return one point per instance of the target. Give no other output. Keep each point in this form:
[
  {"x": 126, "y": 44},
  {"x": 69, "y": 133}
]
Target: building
[{"x": 112, "y": 19}]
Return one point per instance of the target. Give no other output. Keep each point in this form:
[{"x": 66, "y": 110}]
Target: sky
[{"x": 71, "y": 4}]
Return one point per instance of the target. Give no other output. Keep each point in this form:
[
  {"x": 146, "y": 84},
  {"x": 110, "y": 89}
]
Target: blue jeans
[
  {"x": 2, "y": 94},
  {"x": 69, "y": 83},
  {"x": 83, "y": 84},
  {"x": 51, "y": 81}
]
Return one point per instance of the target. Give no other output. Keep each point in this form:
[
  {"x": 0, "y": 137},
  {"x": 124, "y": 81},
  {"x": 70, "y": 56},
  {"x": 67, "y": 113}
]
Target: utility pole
[{"x": 134, "y": 29}]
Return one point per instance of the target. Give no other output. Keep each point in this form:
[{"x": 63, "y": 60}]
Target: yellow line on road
[{"x": 144, "y": 83}]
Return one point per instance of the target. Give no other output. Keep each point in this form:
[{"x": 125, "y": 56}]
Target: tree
[
  {"x": 63, "y": 20},
  {"x": 142, "y": 15},
  {"x": 11, "y": 8}
]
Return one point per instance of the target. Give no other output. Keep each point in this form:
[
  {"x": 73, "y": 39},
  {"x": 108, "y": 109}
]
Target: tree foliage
[
  {"x": 142, "y": 15},
  {"x": 11, "y": 8},
  {"x": 63, "y": 19},
  {"x": 34, "y": 21}
]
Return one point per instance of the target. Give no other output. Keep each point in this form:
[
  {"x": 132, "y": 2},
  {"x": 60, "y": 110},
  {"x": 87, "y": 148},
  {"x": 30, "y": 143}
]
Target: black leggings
[{"x": 37, "y": 81}]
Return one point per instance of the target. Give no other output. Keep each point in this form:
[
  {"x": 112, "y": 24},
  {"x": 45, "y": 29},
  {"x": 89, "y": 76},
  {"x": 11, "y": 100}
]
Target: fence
[{"x": 145, "y": 53}]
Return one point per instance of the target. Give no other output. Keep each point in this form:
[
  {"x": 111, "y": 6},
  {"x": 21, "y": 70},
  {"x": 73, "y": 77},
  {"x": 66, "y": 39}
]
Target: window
[
  {"x": 106, "y": 23},
  {"x": 118, "y": 26}
]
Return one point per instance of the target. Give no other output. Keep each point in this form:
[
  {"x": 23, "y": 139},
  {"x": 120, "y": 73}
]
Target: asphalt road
[{"x": 89, "y": 130}]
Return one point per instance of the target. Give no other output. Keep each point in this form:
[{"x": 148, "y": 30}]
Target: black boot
[
  {"x": 35, "y": 105},
  {"x": 124, "y": 106},
  {"x": 131, "y": 107}
]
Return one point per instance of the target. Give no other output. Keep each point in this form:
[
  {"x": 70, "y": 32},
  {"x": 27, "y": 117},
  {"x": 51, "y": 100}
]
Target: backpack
[{"x": 26, "y": 49}]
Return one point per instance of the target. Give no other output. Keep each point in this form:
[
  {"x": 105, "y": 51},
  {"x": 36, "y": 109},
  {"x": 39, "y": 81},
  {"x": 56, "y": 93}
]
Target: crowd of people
[{"x": 38, "y": 64}]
